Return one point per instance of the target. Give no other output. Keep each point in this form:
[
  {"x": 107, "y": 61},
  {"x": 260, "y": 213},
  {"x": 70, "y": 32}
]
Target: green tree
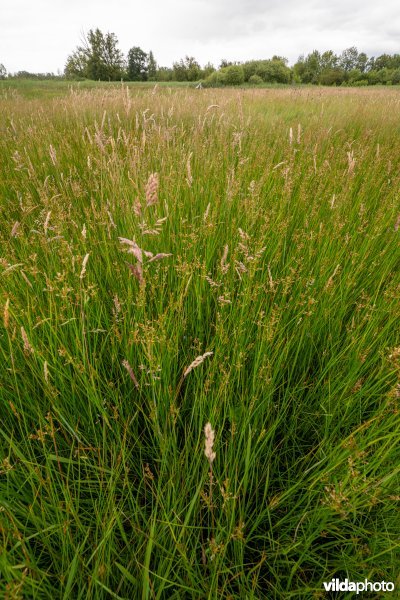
[
  {"x": 334, "y": 76},
  {"x": 3, "y": 71},
  {"x": 98, "y": 58},
  {"x": 362, "y": 62},
  {"x": 329, "y": 60},
  {"x": 164, "y": 74},
  {"x": 187, "y": 69},
  {"x": 234, "y": 75},
  {"x": 77, "y": 62},
  {"x": 151, "y": 67},
  {"x": 349, "y": 59},
  {"x": 225, "y": 63},
  {"x": 208, "y": 69},
  {"x": 137, "y": 64},
  {"x": 309, "y": 68}
]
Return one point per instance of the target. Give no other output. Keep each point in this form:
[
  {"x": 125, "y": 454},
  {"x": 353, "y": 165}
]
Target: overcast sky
[{"x": 38, "y": 35}]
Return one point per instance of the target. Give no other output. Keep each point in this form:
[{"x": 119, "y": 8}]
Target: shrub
[
  {"x": 234, "y": 75},
  {"x": 255, "y": 80},
  {"x": 216, "y": 79},
  {"x": 331, "y": 77}
]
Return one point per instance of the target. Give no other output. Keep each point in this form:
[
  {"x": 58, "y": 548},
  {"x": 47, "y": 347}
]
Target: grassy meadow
[{"x": 173, "y": 257}]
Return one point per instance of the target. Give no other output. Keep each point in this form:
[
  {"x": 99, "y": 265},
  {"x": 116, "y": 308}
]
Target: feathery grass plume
[
  {"x": 159, "y": 256},
  {"x": 351, "y": 162},
  {"x": 224, "y": 264},
  {"x": 197, "y": 361},
  {"x": 291, "y": 136},
  {"x": 209, "y": 443},
  {"x": 331, "y": 278},
  {"x": 46, "y": 371},
  {"x": 137, "y": 271},
  {"x": 83, "y": 232},
  {"x": 6, "y": 314},
  {"x": 189, "y": 177},
  {"x": 271, "y": 281},
  {"x": 210, "y": 455},
  {"x": 111, "y": 220},
  {"x": 14, "y": 230},
  {"x": 27, "y": 346},
  {"x": 53, "y": 155},
  {"x": 137, "y": 207},
  {"x": 128, "y": 367},
  {"x": 152, "y": 189},
  {"x": 133, "y": 248},
  {"x": 46, "y": 222},
  {"x": 298, "y": 133},
  {"x": 84, "y": 263}
]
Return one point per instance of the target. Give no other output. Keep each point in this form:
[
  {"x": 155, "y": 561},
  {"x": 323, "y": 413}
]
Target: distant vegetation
[{"x": 99, "y": 58}]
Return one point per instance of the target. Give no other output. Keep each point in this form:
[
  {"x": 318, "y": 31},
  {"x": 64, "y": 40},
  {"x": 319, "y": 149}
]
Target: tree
[
  {"x": 151, "y": 67},
  {"x": 234, "y": 75},
  {"x": 362, "y": 62},
  {"x": 164, "y": 74},
  {"x": 349, "y": 59},
  {"x": 76, "y": 65},
  {"x": 309, "y": 68},
  {"x": 329, "y": 60},
  {"x": 3, "y": 71},
  {"x": 137, "y": 64},
  {"x": 225, "y": 63},
  {"x": 98, "y": 58},
  {"x": 208, "y": 69},
  {"x": 187, "y": 69}
]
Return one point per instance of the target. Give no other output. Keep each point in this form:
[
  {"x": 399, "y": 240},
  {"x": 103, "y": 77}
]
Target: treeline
[
  {"x": 349, "y": 68},
  {"x": 99, "y": 58}
]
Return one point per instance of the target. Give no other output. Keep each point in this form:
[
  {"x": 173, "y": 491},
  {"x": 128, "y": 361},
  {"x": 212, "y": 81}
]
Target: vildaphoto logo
[{"x": 335, "y": 585}]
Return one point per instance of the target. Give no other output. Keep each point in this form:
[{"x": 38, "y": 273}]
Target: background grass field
[{"x": 280, "y": 212}]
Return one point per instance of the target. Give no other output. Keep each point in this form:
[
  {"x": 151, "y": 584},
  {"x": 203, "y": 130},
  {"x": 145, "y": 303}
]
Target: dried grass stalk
[
  {"x": 14, "y": 230},
  {"x": 27, "y": 346},
  {"x": 159, "y": 256},
  {"x": 128, "y": 367},
  {"x": 6, "y": 314},
  {"x": 84, "y": 263}
]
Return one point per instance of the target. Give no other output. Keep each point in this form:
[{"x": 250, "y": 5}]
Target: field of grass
[
  {"x": 256, "y": 287},
  {"x": 55, "y": 88}
]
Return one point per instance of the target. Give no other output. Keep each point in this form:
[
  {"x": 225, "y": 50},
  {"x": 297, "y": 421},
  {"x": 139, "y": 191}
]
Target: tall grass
[{"x": 257, "y": 291}]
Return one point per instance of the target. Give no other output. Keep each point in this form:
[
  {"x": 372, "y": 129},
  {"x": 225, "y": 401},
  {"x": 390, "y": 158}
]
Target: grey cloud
[{"x": 39, "y": 35}]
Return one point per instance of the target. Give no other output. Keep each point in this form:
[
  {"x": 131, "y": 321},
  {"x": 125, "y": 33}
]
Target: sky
[{"x": 38, "y": 35}]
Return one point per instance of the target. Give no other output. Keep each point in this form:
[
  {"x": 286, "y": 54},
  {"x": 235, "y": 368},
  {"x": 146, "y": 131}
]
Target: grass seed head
[
  {"x": 84, "y": 263},
  {"x": 27, "y": 346},
  {"x": 14, "y": 230},
  {"x": 152, "y": 189},
  {"x": 131, "y": 374},
  {"x": 209, "y": 443},
  {"x": 197, "y": 361},
  {"x": 6, "y": 314}
]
